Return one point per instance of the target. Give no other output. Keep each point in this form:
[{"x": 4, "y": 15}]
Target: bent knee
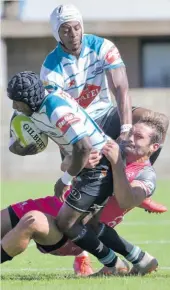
[
  {"x": 64, "y": 224},
  {"x": 33, "y": 222}
]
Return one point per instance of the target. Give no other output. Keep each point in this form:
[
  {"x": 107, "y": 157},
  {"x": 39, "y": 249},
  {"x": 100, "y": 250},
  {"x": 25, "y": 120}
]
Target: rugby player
[
  {"x": 91, "y": 70},
  {"x": 35, "y": 220},
  {"x": 42, "y": 228},
  {"x": 71, "y": 128}
]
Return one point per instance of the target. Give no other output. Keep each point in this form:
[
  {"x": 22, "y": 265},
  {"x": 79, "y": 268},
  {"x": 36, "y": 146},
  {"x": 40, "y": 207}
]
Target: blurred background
[{"x": 141, "y": 31}]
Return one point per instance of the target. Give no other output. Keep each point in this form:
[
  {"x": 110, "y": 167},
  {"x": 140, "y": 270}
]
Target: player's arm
[
  {"x": 93, "y": 160},
  {"x": 73, "y": 132},
  {"x": 17, "y": 149},
  {"x": 128, "y": 194},
  {"x": 71, "y": 163},
  {"x": 118, "y": 83},
  {"x": 80, "y": 156}
]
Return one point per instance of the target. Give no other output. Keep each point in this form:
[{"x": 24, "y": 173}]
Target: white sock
[{"x": 83, "y": 254}]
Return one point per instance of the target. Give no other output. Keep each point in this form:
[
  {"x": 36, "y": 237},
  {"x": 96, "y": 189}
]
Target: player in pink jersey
[
  {"x": 33, "y": 217},
  {"x": 138, "y": 183}
]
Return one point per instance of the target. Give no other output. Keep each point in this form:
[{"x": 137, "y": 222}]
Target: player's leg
[
  {"x": 33, "y": 225},
  {"x": 112, "y": 215},
  {"x": 77, "y": 204},
  {"x": 6, "y": 224}
]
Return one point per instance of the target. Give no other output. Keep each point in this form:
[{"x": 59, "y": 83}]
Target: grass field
[{"x": 33, "y": 270}]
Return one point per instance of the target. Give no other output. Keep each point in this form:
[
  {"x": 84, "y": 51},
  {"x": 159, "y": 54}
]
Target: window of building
[{"x": 156, "y": 64}]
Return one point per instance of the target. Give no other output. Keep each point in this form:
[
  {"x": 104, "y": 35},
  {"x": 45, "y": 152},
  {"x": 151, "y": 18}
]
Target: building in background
[{"x": 140, "y": 29}]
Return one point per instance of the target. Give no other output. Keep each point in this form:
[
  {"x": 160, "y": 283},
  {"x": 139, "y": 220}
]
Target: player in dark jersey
[{"x": 137, "y": 184}]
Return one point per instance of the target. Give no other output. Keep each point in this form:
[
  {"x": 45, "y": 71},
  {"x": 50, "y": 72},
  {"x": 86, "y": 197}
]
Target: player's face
[
  {"x": 71, "y": 35},
  {"x": 22, "y": 107},
  {"x": 139, "y": 141}
]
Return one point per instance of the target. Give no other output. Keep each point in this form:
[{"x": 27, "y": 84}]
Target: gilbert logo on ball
[{"x": 23, "y": 128}]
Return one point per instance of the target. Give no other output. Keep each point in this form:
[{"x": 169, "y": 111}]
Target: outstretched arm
[{"x": 118, "y": 85}]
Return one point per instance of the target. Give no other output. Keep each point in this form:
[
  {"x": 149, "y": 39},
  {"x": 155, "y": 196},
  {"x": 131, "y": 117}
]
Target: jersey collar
[{"x": 70, "y": 56}]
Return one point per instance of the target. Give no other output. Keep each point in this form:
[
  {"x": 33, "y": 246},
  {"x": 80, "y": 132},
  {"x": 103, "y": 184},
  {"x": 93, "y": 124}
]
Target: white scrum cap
[{"x": 62, "y": 14}]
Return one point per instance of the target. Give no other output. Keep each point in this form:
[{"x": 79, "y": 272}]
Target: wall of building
[{"x": 28, "y": 54}]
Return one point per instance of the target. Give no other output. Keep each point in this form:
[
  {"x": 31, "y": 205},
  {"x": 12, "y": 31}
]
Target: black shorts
[
  {"x": 13, "y": 217},
  {"x": 110, "y": 123},
  {"x": 91, "y": 188}
]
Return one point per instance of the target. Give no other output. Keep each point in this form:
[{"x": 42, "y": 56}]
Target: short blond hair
[{"x": 154, "y": 121}]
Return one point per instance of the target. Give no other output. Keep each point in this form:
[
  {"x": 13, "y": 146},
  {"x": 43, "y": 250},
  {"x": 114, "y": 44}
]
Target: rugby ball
[{"x": 23, "y": 128}]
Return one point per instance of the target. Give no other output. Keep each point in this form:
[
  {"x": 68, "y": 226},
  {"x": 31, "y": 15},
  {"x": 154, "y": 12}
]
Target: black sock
[
  {"x": 4, "y": 256},
  {"x": 112, "y": 240},
  {"x": 87, "y": 240}
]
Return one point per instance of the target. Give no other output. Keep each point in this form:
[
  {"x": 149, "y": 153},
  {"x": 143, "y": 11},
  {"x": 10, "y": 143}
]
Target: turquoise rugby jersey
[
  {"x": 83, "y": 78},
  {"x": 65, "y": 122}
]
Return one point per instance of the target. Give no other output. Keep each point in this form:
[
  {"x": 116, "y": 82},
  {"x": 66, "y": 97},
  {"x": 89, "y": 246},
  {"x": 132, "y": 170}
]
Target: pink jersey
[{"x": 111, "y": 215}]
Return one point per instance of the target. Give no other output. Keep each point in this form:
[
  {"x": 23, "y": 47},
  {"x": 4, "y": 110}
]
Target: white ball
[{"x": 23, "y": 128}]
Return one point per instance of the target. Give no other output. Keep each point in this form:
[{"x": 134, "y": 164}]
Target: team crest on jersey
[
  {"x": 88, "y": 95},
  {"x": 66, "y": 121},
  {"x": 112, "y": 55}
]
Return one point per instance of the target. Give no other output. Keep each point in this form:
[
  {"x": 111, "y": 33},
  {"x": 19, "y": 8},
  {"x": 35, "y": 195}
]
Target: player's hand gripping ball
[{"x": 23, "y": 129}]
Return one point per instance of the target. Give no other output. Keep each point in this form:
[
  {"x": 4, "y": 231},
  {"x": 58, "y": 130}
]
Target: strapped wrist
[
  {"x": 125, "y": 128},
  {"x": 67, "y": 178}
]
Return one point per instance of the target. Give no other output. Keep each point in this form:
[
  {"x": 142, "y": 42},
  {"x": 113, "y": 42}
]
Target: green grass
[{"x": 32, "y": 270}]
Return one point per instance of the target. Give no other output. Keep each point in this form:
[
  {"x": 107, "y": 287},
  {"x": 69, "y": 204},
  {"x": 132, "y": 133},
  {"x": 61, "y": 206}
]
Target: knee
[
  {"x": 33, "y": 222},
  {"x": 64, "y": 224}
]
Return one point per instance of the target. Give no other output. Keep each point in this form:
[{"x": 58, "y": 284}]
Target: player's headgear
[
  {"x": 26, "y": 87},
  {"x": 62, "y": 14}
]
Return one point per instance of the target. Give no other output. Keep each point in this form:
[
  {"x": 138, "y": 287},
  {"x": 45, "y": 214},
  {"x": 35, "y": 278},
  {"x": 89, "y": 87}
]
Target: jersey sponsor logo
[
  {"x": 22, "y": 205},
  {"x": 65, "y": 122},
  {"x": 75, "y": 195},
  {"x": 34, "y": 135},
  {"x": 88, "y": 94},
  {"x": 112, "y": 55}
]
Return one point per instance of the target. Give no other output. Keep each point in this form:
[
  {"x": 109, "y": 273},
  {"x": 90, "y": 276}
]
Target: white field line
[{"x": 54, "y": 269}]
